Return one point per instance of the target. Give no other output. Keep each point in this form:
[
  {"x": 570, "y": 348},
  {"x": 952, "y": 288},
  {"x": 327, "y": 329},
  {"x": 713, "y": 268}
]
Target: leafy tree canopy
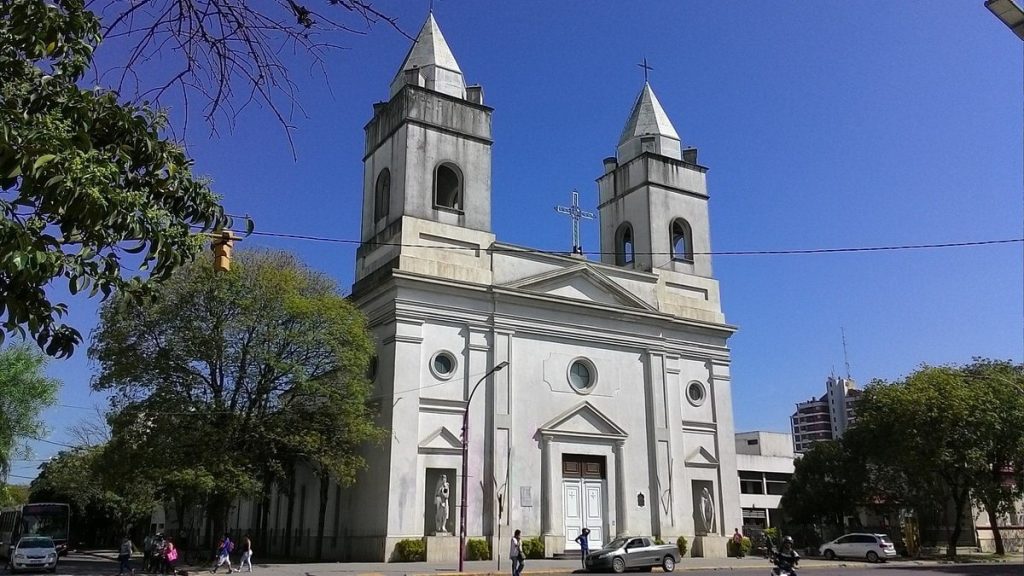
[
  {"x": 223, "y": 380},
  {"x": 827, "y": 484},
  {"x": 85, "y": 180},
  {"x": 24, "y": 393},
  {"x": 939, "y": 431}
]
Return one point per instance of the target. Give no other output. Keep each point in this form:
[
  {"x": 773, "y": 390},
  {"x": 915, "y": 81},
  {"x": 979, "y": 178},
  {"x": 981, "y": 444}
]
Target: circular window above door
[{"x": 582, "y": 375}]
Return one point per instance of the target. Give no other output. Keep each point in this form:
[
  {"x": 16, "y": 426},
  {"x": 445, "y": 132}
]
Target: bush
[
  {"x": 533, "y": 548},
  {"x": 658, "y": 540},
  {"x": 681, "y": 545},
  {"x": 478, "y": 549},
  {"x": 410, "y": 551},
  {"x": 772, "y": 533}
]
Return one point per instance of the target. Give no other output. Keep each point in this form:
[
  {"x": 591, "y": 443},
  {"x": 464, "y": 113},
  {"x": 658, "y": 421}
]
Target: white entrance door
[{"x": 583, "y": 502}]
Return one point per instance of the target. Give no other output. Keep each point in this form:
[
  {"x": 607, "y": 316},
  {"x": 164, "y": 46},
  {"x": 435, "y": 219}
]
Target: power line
[{"x": 780, "y": 252}]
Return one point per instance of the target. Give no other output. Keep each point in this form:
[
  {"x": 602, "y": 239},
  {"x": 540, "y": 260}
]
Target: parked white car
[
  {"x": 33, "y": 553},
  {"x": 872, "y": 547}
]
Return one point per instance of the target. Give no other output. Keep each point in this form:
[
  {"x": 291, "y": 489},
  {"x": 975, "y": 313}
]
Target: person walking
[
  {"x": 124, "y": 557},
  {"x": 737, "y": 542},
  {"x": 246, "y": 554},
  {"x": 515, "y": 553},
  {"x": 224, "y": 553},
  {"x": 170, "y": 558},
  {"x": 148, "y": 544},
  {"x": 584, "y": 541}
]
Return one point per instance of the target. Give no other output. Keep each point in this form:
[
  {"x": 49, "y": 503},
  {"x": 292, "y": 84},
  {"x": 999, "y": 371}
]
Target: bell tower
[
  {"x": 428, "y": 154},
  {"x": 653, "y": 197}
]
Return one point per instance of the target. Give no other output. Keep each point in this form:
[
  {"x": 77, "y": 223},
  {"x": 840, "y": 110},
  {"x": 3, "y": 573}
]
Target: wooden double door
[{"x": 583, "y": 499}]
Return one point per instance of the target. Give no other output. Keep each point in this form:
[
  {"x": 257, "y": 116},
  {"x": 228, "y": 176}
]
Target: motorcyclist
[{"x": 786, "y": 558}]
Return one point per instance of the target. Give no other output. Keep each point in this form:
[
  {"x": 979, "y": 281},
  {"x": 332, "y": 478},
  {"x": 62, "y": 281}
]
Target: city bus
[{"x": 42, "y": 519}]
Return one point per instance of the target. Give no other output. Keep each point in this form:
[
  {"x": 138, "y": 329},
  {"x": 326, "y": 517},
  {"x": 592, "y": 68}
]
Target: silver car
[
  {"x": 633, "y": 553},
  {"x": 33, "y": 553},
  {"x": 871, "y": 547}
]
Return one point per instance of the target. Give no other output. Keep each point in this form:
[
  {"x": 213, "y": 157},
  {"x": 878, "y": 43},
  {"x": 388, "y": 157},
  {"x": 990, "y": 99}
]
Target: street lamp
[
  {"x": 465, "y": 466},
  {"x": 1010, "y": 13}
]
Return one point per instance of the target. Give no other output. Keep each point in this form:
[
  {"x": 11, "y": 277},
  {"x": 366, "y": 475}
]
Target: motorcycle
[{"x": 784, "y": 567}]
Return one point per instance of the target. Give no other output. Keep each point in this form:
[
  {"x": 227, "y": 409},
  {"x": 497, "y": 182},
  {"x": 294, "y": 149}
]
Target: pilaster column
[
  {"x": 547, "y": 488},
  {"x": 621, "y": 497}
]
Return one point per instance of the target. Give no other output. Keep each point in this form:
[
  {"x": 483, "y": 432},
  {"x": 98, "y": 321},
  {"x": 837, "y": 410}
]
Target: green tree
[
  {"x": 226, "y": 379},
  {"x": 13, "y": 494},
  {"x": 999, "y": 482},
  {"x": 24, "y": 393},
  {"x": 105, "y": 501},
  {"x": 827, "y": 485},
  {"x": 934, "y": 431},
  {"x": 86, "y": 181}
]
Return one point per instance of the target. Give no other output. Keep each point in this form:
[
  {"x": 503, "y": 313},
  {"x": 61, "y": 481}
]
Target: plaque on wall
[{"x": 525, "y": 497}]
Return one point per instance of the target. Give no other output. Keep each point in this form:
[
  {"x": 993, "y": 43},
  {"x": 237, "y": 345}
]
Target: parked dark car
[{"x": 633, "y": 553}]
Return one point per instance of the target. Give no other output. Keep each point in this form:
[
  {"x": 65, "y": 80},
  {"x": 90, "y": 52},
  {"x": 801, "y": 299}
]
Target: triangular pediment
[
  {"x": 441, "y": 441},
  {"x": 583, "y": 420},
  {"x": 581, "y": 282},
  {"x": 701, "y": 458}
]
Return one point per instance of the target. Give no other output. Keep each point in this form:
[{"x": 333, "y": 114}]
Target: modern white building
[
  {"x": 614, "y": 411},
  {"x": 764, "y": 461},
  {"x": 827, "y": 417}
]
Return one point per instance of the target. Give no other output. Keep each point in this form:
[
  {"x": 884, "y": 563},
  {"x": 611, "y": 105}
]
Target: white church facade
[
  {"x": 614, "y": 410},
  {"x": 604, "y": 398}
]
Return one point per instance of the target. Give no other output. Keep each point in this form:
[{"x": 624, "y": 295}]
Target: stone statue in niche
[
  {"x": 707, "y": 510},
  {"x": 441, "y": 494}
]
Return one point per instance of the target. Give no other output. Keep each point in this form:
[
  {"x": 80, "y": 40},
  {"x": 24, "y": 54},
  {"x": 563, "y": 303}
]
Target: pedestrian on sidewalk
[
  {"x": 737, "y": 542},
  {"x": 224, "y": 553},
  {"x": 170, "y": 558},
  {"x": 148, "y": 544},
  {"x": 515, "y": 553},
  {"x": 246, "y": 554},
  {"x": 124, "y": 557},
  {"x": 584, "y": 541}
]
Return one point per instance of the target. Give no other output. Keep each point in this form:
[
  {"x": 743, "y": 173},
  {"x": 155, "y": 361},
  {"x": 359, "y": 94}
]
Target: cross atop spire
[
  {"x": 646, "y": 69},
  {"x": 576, "y": 214}
]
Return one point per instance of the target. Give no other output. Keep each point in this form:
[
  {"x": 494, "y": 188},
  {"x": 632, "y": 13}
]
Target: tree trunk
[
  {"x": 993, "y": 521},
  {"x": 959, "y": 499},
  {"x": 325, "y": 485},
  {"x": 291, "y": 512}
]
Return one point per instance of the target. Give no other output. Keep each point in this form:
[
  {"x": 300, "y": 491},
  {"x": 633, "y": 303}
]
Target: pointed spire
[
  {"x": 431, "y": 64},
  {"x": 648, "y": 123},
  {"x": 648, "y": 118}
]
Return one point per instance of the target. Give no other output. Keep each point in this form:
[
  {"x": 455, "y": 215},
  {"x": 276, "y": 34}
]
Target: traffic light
[{"x": 222, "y": 244}]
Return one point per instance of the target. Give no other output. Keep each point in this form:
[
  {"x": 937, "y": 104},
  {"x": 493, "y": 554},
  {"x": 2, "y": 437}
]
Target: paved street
[{"x": 103, "y": 565}]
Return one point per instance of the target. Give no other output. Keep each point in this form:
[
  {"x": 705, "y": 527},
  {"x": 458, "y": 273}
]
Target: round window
[
  {"x": 582, "y": 375},
  {"x": 443, "y": 365},
  {"x": 695, "y": 393}
]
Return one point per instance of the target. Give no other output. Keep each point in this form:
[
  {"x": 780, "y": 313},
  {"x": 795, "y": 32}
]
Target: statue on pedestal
[
  {"x": 441, "y": 494},
  {"x": 707, "y": 510}
]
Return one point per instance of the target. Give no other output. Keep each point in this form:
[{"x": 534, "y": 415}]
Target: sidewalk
[{"x": 533, "y": 567}]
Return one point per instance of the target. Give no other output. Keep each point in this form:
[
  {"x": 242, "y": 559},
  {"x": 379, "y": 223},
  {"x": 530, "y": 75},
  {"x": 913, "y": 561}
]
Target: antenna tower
[{"x": 846, "y": 357}]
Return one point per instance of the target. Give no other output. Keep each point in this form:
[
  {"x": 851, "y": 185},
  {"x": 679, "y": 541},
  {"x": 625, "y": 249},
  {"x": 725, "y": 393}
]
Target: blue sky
[{"x": 824, "y": 125}]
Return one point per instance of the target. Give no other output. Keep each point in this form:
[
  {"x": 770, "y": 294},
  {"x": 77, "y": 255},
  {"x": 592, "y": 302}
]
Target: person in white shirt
[{"x": 515, "y": 553}]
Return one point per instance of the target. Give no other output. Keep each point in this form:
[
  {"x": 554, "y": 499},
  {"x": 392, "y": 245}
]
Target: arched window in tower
[
  {"x": 624, "y": 244},
  {"x": 682, "y": 241},
  {"x": 448, "y": 187},
  {"x": 382, "y": 196}
]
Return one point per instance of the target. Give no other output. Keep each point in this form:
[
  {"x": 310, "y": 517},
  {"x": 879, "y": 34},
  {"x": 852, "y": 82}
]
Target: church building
[{"x": 604, "y": 398}]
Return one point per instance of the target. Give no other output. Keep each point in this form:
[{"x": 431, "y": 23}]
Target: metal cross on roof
[
  {"x": 576, "y": 214},
  {"x": 646, "y": 68}
]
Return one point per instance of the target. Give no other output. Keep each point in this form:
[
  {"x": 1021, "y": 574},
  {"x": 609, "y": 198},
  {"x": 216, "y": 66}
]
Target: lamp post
[
  {"x": 1010, "y": 13},
  {"x": 465, "y": 464}
]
